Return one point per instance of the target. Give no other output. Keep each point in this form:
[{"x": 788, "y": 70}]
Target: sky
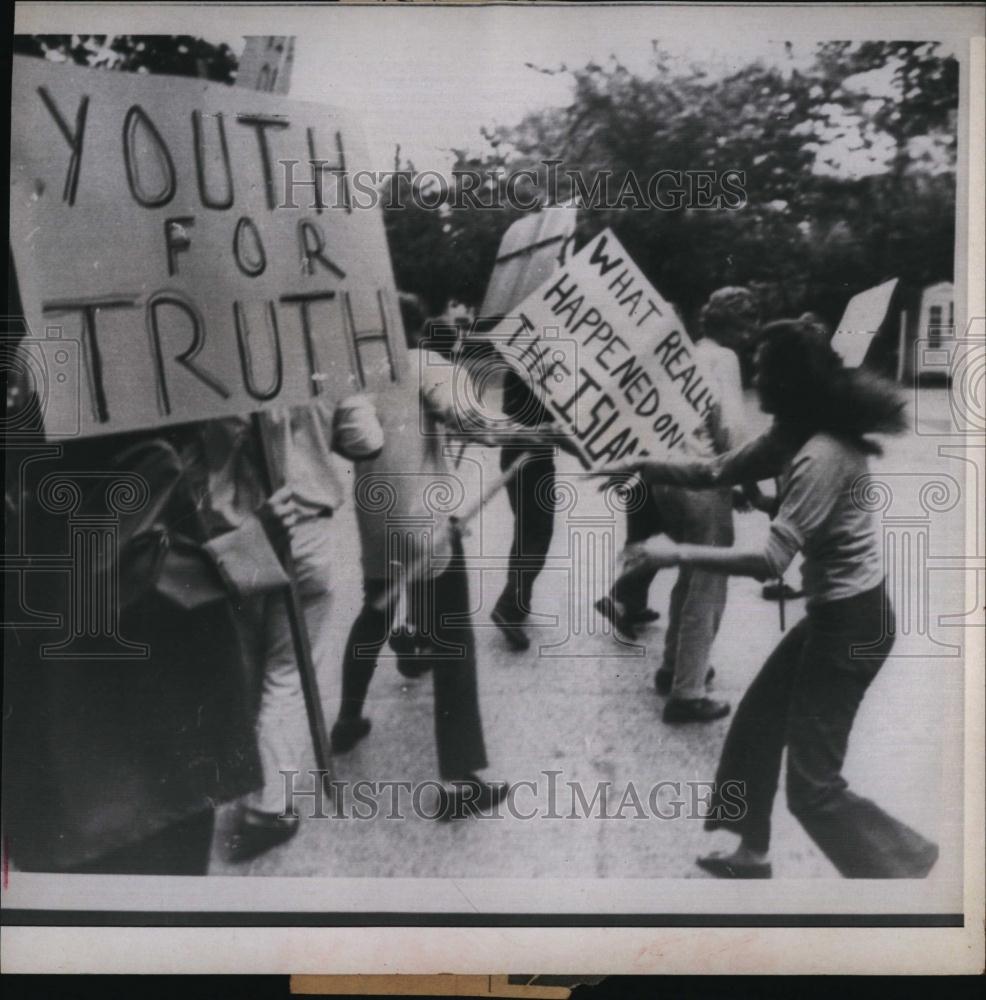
[
  {"x": 430, "y": 82},
  {"x": 428, "y": 78}
]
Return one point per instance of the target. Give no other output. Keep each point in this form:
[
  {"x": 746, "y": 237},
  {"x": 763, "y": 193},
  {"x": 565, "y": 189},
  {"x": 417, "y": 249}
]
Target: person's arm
[
  {"x": 356, "y": 431},
  {"x": 761, "y": 458},
  {"x": 473, "y": 425},
  {"x": 754, "y": 498},
  {"x": 439, "y": 400},
  {"x": 807, "y": 502},
  {"x": 514, "y": 435},
  {"x": 659, "y": 552}
]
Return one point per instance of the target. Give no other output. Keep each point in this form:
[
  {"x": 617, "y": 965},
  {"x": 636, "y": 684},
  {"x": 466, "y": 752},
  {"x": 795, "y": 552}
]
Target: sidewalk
[{"x": 592, "y": 714}]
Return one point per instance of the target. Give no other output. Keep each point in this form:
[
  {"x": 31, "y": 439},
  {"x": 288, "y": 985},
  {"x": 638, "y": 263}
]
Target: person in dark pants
[
  {"x": 626, "y": 605},
  {"x": 806, "y": 696},
  {"x": 451, "y": 659},
  {"x": 411, "y": 545},
  {"x": 531, "y": 493}
]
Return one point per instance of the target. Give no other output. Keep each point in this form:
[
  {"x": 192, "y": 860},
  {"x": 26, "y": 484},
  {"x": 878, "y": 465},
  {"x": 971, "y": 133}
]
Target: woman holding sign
[{"x": 806, "y": 696}]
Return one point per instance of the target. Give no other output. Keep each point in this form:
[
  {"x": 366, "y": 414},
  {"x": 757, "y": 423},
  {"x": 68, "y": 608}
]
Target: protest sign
[
  {"x": 266, "y": 63},
  {"x": 191, "y": 250},
  {"x": 609, "y": 358},
  {"x": 530, "y": 250},
  {"x": 861, "y": 322}
]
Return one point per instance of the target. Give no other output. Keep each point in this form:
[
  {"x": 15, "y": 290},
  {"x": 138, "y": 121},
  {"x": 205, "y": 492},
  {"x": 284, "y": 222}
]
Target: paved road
[{"x": 581, "y": 704}]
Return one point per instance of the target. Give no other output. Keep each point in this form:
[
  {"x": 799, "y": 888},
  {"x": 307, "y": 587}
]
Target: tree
[
  {"x": 848, "y": 164},
  {"x": 174, "y": 55}
]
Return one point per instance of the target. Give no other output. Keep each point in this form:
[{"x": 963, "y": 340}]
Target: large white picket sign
[
  {"x": 531, "y": 249},
  {"x": 865, "y": 314},
  {"x": 187, "y": 250},
  {"x": 609, "y": 358}
]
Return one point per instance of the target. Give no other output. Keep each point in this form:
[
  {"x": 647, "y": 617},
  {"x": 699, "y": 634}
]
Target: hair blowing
[{"x": 810, "y": 390}]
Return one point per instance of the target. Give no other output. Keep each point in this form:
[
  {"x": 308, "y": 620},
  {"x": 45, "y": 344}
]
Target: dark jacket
[{"x": 102, "y": 752}]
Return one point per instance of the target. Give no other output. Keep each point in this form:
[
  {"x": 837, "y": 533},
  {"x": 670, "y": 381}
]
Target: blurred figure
[
  {"x": 698, "y": 599},
  {"x": 532, "y": 248},
  {"x": 531, "y": 494},
  {"x": 702, "y": 517},
  {"x": 418, "y": 416},
  {"x": 115, "y": 764},
  {"x": 302, "y": 441}
]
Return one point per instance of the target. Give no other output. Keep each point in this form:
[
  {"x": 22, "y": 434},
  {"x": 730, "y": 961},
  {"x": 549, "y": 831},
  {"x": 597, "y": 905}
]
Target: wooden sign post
[{"x": 266, "y": 66}]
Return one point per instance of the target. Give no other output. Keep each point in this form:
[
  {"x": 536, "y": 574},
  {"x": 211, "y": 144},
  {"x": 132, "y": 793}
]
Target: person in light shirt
[
  {"x": 303, "y": 442},
  {"x": 701, "y": 517},
  {"x": 407, "y": 504},
  {"x": 808, "y": 692}
]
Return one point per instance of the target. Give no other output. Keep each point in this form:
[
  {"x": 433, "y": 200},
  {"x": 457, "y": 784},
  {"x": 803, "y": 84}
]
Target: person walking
[
  {"x": 531, "y": 493},
  {"x": 808, "y": 692},
  {"x": 303, "y": 442},
  {"x": 698, "y": 598},
  {"x": 410, "y": 544}
]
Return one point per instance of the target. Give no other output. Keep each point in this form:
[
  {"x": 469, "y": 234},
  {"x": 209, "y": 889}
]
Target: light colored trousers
[
  {"x": 282, "y": 722},
  {"x": 696, "y": 517}
]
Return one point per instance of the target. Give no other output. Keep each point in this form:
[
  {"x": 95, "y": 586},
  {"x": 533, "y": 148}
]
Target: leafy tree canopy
[
  {"x": 175, "y": 55},
  {"x": 848, "y": 164}
]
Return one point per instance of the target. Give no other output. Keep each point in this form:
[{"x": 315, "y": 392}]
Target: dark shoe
[
  {"x": 695, "y": 710},
  {"x": 259, "y": 832},
  {"x": 664, "y": 680},
  {"x": 775, "y": 591},
  {"x": 417, "y": 663},
  {"x": 414, "y": 652},
  {"x": 608, "y": 608},
  {"x": 645, "y": 617},
  {"x": 346, "y": 733},
  {"x": 513, "y": 632},
  {"x": 414, "y": 666},
  {"x": 403, "y": 641},
  {"x": 723, "y": 867},
  {"x": 469, "y": 797}
]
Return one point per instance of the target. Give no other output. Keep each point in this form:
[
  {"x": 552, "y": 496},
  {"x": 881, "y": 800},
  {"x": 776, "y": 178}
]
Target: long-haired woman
[{"x": 806, "y": 695}]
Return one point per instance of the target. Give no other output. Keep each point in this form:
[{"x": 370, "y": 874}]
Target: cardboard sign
[
  {"x": 609, "y": 358},
  {"x": 531, "y": 249},
  {"x": 861, "y": 322},
  {"x": 266, "y": 63},
  {"x": 188, "y": 250}
]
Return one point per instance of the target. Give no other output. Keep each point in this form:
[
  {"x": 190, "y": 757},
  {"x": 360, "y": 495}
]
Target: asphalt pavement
[{"x": 578, "y": 711}]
